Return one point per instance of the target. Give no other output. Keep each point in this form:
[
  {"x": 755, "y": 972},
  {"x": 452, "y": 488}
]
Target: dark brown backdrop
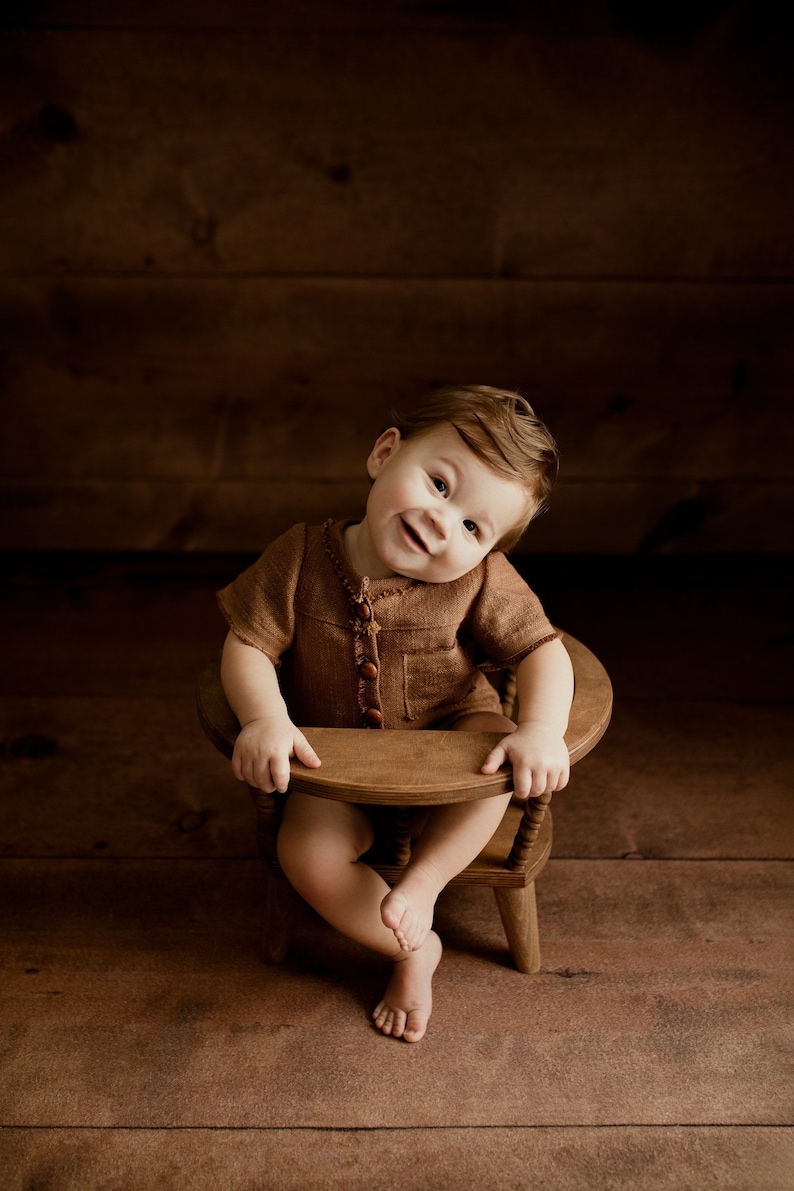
[{"x": 234, "y": 235}]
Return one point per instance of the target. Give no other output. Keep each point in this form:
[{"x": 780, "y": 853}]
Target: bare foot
[
  {"x": 405, "y": 1009},
  {"x": 408, "y": 909}
]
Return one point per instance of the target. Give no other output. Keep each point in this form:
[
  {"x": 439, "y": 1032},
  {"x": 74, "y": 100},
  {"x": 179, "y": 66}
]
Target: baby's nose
[{"x": 441, "y": 521}]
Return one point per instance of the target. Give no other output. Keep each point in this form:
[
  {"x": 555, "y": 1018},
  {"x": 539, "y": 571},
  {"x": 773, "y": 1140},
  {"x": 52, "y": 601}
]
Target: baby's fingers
[
  {"x": 237, "y": 766},
  {"x": 253, "y": 774},
  {"x": 532, "y": 781},
  {"x": 305, "y": 753},
  {"x": 563, "y": 777},
  {"x": 495, "y": 758},
  {"x": 527, "y": 780},
  {"x": 279, "y": 773}
]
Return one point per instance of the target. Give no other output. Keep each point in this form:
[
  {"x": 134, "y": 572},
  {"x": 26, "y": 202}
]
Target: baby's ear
[{"x": 384, "y": 448}]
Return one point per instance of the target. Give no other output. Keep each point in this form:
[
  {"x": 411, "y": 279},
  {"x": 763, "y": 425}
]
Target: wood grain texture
[
  {"x": 200, "y": 1032},
  {"x": 684, "y": 790},
  {"x": 223, "y": 231},
  {"x": 436, "y": 767},
  {"x": 579, "y": 17},
  {"x": 145, "y": 419},
  {"x": 749, "y": 517},
  {"x": 145, "y": 1045},
  {"x": 115, "y": 378},
  {"x": 518, "y": 912},
  {"x": 669, "y": 1157},
  {"x": 423, "y": 769},
  {"x": 102, "y": 778},
  {"x": 401, "y": 152}
]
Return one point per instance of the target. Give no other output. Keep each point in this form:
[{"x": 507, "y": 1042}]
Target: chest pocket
[{"x": 436, "y": 679}]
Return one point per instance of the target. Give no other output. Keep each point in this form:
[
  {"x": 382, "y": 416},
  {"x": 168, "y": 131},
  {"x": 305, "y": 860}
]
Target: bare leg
[
  {"x": 319, "y": 846},
  {"x": 452, "y": 837}
]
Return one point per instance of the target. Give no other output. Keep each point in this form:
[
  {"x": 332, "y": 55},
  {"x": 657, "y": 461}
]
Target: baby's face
[{"x": 435, "y": 510}]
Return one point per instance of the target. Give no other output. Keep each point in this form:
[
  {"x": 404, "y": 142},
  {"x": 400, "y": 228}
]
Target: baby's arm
[
  {"x": 537, "y": 749},
  {"x": 268, "y": 737}
]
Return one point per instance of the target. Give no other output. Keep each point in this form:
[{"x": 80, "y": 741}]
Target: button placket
[{"x": 367, "y": 664}]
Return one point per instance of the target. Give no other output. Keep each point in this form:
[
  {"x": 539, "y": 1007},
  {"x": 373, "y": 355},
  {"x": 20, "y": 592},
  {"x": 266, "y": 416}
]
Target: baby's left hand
[{"x": 539, "y": 757}]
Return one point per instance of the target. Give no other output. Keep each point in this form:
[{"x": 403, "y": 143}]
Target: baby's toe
[
  {"x": 380, "y": 1013},
  {"x": 415, "y": 1026},
  {"x": 398, "y": 1024},
  {"x": 414, "y": 935},
  {"x": 392, "y": 910},
  {"x": 387, "y": 1019}
]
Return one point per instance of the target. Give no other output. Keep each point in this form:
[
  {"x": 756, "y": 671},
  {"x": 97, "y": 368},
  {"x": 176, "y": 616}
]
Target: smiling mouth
[{"x": 414, "y": 536}]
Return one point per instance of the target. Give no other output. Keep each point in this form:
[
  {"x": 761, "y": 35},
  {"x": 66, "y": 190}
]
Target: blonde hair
[{"x": 502, "y": 430}]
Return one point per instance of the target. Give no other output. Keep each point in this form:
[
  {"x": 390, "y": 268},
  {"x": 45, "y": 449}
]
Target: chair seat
[
  {"x": 405, "y": 769},
  {"x": 489, "y": 867}
]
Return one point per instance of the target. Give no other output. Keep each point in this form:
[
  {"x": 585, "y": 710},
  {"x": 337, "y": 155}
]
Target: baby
[{"x": 393, "y": 622}]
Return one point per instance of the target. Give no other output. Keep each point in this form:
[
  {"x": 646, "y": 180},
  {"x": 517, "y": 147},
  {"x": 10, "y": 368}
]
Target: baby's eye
[
  {"x": 440, "y": 485},
  {"x": 470, "y": 526}
]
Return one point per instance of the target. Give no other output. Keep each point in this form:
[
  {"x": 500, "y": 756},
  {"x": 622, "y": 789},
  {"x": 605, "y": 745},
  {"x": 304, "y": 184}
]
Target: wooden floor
[{"x": 144, "y": 1045}]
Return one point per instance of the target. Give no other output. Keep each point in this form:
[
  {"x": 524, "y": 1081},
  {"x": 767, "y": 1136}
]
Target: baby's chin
[{"x": 432, "y": 575}]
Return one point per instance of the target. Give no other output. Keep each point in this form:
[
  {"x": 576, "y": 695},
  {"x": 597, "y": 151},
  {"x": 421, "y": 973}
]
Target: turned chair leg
[
  {"x": 281, "y": 901},
  {"x": 278, "y": 917},
  {"x": 518, "y": 911}
]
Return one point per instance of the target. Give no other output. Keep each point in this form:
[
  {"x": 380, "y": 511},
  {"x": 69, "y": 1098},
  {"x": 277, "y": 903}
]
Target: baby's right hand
[{"x": 263, "y": 750}]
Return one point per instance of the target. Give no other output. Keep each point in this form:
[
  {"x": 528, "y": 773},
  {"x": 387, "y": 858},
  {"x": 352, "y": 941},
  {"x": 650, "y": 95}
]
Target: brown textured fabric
[{"x": 353, "y": 649}]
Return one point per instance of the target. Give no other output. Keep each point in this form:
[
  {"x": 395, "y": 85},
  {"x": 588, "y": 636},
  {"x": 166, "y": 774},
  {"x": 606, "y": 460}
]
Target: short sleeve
[
  {"x": 259, "y": 604},
  {"x": 508, "y": 620}
]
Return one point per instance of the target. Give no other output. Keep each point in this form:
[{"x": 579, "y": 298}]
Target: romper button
[
  {"x": 364, "y": 611},
  {"x": 373, "y": 716},
  {"x": 368, "y": 669}
]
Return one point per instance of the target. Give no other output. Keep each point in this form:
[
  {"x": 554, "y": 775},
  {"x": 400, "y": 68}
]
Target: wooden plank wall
[{"x": 234, "y": 236}]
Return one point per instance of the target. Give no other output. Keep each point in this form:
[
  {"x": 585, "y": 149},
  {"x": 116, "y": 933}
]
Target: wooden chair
[{"x": 408, "y": 769}]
